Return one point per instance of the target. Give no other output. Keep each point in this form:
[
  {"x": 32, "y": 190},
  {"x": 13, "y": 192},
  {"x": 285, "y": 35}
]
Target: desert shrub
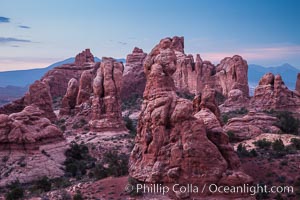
[
  {"x": 287, "y": 123},
  {"x": 230, "y": 136},
  {"x": 99, "y": 172},
  {"x": 186, "y": 95},
  {"x": 220, "y": 98},
  {"x": 243, "y": 152},
  {"x": 15, "y": 191},
  {"x": 77, "y": 160},
  {"x": 263, "y": 144},
  {"x": 278, "y": 145},
  {"x": 231, "y": 114},
  {"x": 79, "y": 124},
  {"x": 296, "y": 143},
  {"x": 133, "y": 102},
  {"x": 117, "y": 163},
  {"x": 133, "y": 183},
  {"x": 225, "y": 118},
  {"x": 44, "y": 184},
  {"x": 130, "y": 125},
  {"x": 78, "y": 196},
  {"x": 5, "y": 159}
]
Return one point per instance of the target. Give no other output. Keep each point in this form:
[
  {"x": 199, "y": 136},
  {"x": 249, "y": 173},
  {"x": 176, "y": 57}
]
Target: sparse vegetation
[
  {"x": 286, "y": 121},
  {"x": 263, "y": 144},
  {"x": 296, "y": 143},
  {"x": 134, "y": 102},
  {"x": 15, "y": 191},
  {"x": 240, "y": 112},
  {"x": 113, "y": 164},
  {"x": 61, "y": 124},
  {"x": 278, "y": 145},
  {"x": 243, "y": 152},
  {"x": 78, "y": 160},
  {"x": 78, "y": 196},
  {"x": 79, "y": 124},
  {"x": 186, "y": 95},
  {"x": 130, "y": 125},
  {"x": 230, "y": 136}
]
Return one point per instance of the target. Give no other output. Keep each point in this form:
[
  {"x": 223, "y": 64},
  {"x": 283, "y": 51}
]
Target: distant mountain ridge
[{"x": 287, "y": 72}]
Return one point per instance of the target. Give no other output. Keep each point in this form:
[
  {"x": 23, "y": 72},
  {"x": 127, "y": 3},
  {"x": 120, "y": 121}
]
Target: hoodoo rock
[
  {"x": 134, "y": 79},
  {"x": 272, "y": 93},
  {"x": 69, "y": 101},
  {"x": 39, "y": 95},
  {"x": 229, "y": 78},
  {"x": 58, "y": 78},
  {"x": 85, "y": 87},
  {"x": 171, "y": 143},
  {"x": 84, "y": 57},
  {"x": 106, "y": 103},
  {"x": 23, "y": 136},
  {"x": 233, "y": 74}
]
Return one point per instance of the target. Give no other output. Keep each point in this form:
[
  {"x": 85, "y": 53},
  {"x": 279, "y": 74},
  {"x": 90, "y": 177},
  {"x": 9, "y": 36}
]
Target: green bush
[
  {"x": 230, "y": 136},
  {"x": 44, "y": 184},
  {"x": 79, "y": 124},
  {"x": 235, "y": 113},
  {"x": 296, "y": 143},
  {"x": 243, "y": 152},
  {"x": 78, "y": 196},
  {"x": 15, "y": 192},
  {"x": 287, "y": 123},
  {"x": 77, "y": 160},
  {"x": 278, "y": 145},
  {"x": 130, "y": 125},
  {"x": 263, "y": 144},
  {"x": 117, "y": 163}
]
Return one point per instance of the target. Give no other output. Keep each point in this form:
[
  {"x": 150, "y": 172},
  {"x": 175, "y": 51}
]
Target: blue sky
[{"x": 38, "y": 33}]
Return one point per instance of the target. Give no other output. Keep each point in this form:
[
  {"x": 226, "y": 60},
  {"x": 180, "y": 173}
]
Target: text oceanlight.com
[{"x": 211, "y": 188}]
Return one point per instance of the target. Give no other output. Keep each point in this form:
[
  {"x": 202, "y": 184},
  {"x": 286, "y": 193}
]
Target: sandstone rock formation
[
  {"x": 208, "y": 111},
  {"x": 39, "y": 95},
  {"x": 84, "y": 57},
  {"x": 233, "y": 74},
  {"x": 69, "y": 101},
  {"x": 58, "y": 78},
  {"x": 134, "y": 79},
  {"x": 251, "y": 125},
  {"x": 23, "y": 136},
  {"x": 229, "y": 78},
  {"x": 106, "y": 103},
  {"x": 85, "y": 87},
  {"x": 272, "y": 93},
  {"x": 172, "y": 145}
]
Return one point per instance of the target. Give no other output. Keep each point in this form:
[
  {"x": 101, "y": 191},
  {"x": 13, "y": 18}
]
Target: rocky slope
[{"x": 32, "y": 145}]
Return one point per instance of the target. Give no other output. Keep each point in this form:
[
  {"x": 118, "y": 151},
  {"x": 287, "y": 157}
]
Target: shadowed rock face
[
  {"x": 134, "y": 79},
  {"x": 172, "y": 145},
  {"x": 106, "y": 103},
  {"x": 272, "y": 93},
  {"x": 39, "y": 95},
  {"x": 69, "y": 101}
]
